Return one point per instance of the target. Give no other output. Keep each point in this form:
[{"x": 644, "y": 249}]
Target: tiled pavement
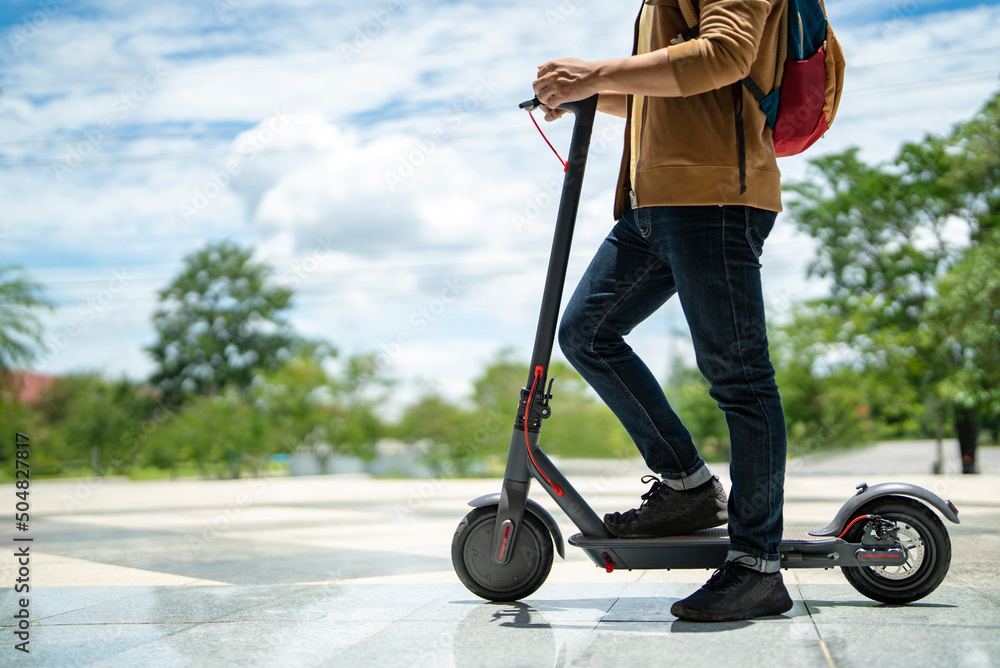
[{"x": 345, "y": 571}]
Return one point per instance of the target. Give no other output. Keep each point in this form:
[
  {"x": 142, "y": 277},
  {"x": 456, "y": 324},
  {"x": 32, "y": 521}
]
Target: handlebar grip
[{"x": 583, "y": 108}]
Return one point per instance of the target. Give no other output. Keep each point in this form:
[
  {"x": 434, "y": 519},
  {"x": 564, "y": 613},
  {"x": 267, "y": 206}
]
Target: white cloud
[{"x": 427, "y": 95}]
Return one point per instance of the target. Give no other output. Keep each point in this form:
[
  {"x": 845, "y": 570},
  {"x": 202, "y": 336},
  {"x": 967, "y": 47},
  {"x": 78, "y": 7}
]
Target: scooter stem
[
  {"x": 584, "y": 112},
  {"x": 520, "y": 468}
]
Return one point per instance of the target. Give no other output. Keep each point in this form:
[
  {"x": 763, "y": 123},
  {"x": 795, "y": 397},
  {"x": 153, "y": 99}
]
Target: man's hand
[
  {"x": 564, "y": 80},
  {"x": 571, "y": 79}
]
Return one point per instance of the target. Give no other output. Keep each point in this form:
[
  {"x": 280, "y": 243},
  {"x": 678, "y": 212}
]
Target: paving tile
[
  {"x": 410, "y": 644},
  {"x": 68, "y": 646},
  {"x": 245, "y": 645},
  {"x": 344, "y": 602},
  {"x": 946, "y": 606},
  {"x": 732, "y": 644},
  {"x": 558, "y": 603},
  {"x": 49, "y": 602},
  {"x": 586, "y": 602},
  {"x": 300, "y": 565},
  {"x": 61, "y": 571},
  {"x": 975, "y": 558},
  {"x": 343, "y": 581},
  {"x": 905, "y": 646},
  {"x": 173, "y": 605},
  {"x": 515, "y": 641},
  {"x": 650, "y": 602}
]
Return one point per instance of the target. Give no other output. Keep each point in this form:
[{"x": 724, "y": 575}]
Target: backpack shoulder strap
[
  {"x": 690, "y": 11},
  {"x": 779, "y": 70},
  {"x": 689, "y": 8}
]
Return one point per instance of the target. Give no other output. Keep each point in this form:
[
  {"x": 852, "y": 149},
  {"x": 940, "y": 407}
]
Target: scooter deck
[{"x": 708, "y": 549}]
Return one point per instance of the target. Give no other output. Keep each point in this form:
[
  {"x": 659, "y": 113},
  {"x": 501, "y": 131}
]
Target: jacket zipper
[
  {"x": 802, "y": 37},
  {"x": 633, "y": 198}
]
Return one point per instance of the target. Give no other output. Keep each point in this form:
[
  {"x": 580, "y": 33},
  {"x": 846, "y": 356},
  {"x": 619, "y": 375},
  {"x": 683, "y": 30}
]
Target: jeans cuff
[
  {"x": 699, "y": 476},
  {"x": 754, "y": 561}
]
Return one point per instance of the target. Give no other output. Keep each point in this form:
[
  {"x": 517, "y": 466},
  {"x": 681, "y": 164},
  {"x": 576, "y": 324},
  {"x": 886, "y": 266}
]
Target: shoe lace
[
  {"x": 654, "y": 490},
  {"x": 730, "y": 575}
]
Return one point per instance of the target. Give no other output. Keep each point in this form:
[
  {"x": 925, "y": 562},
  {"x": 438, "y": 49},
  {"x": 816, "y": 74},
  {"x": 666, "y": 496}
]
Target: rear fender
[{"x": 867, "y": 494}]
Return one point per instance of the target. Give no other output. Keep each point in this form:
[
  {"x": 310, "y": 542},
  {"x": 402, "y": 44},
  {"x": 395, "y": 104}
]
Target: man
[{"x": 698, "y": 193}]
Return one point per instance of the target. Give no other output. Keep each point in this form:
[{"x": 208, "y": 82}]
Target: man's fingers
[
  {"x": 554, "y": 114},
  {"x": 548, "y": 93}
]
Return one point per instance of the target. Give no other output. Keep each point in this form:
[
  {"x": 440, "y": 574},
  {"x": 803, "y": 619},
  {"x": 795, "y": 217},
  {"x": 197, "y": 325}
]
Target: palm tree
[{"x": 20, "y": 328}]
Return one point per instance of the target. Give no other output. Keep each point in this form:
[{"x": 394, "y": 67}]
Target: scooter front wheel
[
  {"x": 928, "y": 552},
  {"x": 526, "y": 569}
]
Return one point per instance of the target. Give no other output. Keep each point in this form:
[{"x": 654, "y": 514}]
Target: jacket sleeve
[{"x": 730, "y": 32}]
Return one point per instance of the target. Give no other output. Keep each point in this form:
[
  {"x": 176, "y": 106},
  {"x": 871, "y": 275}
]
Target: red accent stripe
[
  {"x": 865, "y": 555},
  {"x": 503, "y": 546}
]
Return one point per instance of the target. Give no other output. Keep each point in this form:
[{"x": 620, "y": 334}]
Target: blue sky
[{"x": 381, "y": 158}]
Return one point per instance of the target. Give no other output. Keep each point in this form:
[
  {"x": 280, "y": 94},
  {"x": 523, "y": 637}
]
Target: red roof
[{"x": 28, "y": 386}]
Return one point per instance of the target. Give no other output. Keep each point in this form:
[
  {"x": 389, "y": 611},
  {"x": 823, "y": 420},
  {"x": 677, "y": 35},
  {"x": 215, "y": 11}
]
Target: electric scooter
[{"x": 888, "y": 543}]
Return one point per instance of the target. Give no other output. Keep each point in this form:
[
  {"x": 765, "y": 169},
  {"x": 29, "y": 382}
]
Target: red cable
[
  {"x": 848, "y": 527},
  {"x": 564, "y": 163},
  {"x": 538, "y": 374}
]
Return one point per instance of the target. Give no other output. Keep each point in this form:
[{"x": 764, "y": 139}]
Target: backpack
[{"x": 808, "y": 81}]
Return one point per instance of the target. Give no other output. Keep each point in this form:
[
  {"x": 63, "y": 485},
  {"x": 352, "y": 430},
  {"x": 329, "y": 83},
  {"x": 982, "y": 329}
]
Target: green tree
[
  {"x": 20, "y": 329},
  {"x": 220, "y": 434},
  {"x": 882, "y": 259},
  {"x": 305, "y": 403},
  {"x": 95, "y": 420},
  {"x": 16, "y": 417},
  {"x": 297, "y": 398},
  {"x": 968, "y": 306},
  {"x": 960, "y": 174},
  {"x": 448, "y": 429},
  {"x": 886, "y": 234},
  {"x": 826, "y": 398},
  {"x": 971, "y": 169},
  {"x": 463, "y": 433},
  {"x": 218, "y": 322},
  {"x": 302, "y": 403},
  {"x": 581, "y": 424},
  {"x": 360, "y": 390},
  {"x": 687, "y": 392}
]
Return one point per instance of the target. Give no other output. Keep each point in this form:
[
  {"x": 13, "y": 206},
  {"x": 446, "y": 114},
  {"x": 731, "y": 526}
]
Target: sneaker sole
[
  {"x": 777, "y": 608},
  {"x": 680, "y": 531}
]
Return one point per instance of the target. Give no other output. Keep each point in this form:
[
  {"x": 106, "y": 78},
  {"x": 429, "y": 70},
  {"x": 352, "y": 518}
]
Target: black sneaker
[
  {"x": 733, "y": 593},
  {"x": 669, "y": 512}
]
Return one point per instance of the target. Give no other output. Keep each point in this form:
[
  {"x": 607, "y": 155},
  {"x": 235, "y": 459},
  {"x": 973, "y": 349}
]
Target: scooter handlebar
[{"x": 583, "y": 109}]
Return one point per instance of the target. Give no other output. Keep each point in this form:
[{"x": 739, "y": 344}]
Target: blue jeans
[{"x": 710, "y": 257}]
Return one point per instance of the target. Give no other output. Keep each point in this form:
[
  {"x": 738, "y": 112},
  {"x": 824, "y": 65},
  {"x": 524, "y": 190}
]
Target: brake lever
[{"x": 532, "y": 104}]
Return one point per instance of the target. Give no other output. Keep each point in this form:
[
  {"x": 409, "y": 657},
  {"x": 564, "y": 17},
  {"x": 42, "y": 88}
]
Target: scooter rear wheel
[
  {"x": 928, "y": 550},
  {"x": 525, "y": 571}
]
